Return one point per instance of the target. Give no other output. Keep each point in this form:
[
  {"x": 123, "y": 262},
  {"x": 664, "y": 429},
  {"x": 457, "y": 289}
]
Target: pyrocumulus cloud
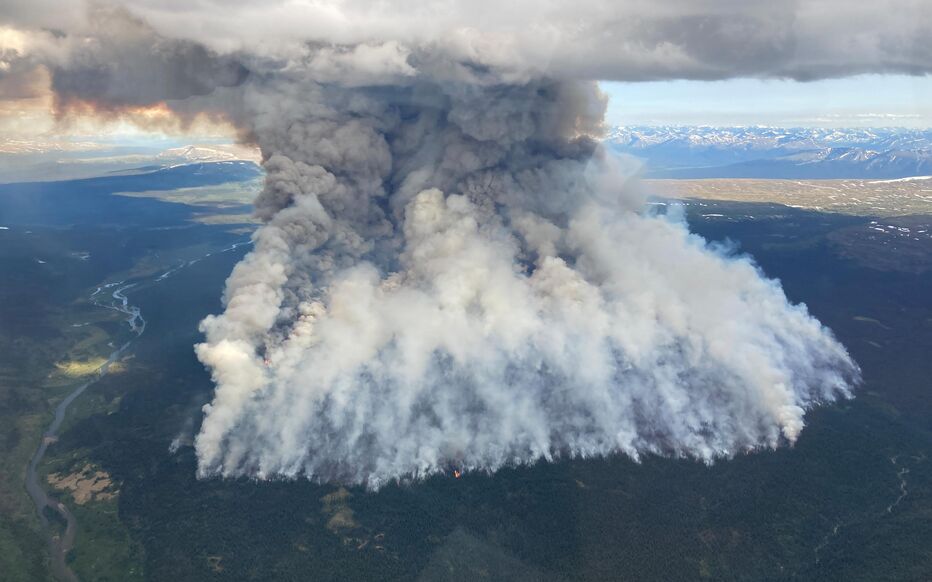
[{"x": 450, "y": 271}]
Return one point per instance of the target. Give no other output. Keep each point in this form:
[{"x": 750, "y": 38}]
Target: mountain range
[
  {"x": 665, "y": 151},
  {"x": 768, "y": 152}
]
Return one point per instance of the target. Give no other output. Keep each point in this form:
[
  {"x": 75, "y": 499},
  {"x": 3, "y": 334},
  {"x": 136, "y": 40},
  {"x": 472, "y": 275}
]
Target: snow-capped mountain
[
  {"x": 763, "y": 138},
  {"x": 213, "y": 153},
  {"x": 768, "y": 152},
  {"x": 24, "y": 160}
]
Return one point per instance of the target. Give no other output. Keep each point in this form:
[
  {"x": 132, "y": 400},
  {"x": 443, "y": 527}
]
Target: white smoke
[
  {"x": 455, "y": 275},
  {"x": 450, "y": 271}
]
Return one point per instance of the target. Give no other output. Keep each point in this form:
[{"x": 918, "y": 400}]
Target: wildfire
[{"x": 457, "y": 473}]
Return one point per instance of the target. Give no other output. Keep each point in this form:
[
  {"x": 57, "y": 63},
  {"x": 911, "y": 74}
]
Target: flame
[{"x": 457, "y": 473}]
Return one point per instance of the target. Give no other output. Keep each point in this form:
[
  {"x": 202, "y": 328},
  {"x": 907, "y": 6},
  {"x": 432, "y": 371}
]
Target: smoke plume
[
  {"x": 455, "y": 274},
  {"x": 450, "y": 271}
]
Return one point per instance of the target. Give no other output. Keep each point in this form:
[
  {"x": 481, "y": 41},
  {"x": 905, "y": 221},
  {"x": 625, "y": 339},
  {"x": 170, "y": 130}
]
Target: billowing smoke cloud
[
  {"x": 455, "y": 274},
  {"x": 451, "y": 272}
]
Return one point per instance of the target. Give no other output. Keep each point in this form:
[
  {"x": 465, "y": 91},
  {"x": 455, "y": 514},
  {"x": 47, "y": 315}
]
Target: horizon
[
  {"x": 147, "y": 138},
  {"x": 862, "y": 101}
]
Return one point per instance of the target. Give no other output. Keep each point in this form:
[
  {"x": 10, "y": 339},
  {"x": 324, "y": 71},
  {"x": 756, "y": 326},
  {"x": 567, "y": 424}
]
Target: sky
[
  {"x": 861, "y": 101},
  {"x": 748, "y": 62}
]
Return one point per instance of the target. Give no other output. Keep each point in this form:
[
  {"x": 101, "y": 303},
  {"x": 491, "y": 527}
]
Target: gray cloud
[{"x": 592, "y": 39}]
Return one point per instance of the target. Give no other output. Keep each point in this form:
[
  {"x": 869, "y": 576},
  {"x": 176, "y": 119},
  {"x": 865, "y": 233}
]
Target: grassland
[
  {"x": 894, "y": 233},
  {"x": 875, "y": 198},
  {"x": 231, "y": 194},
  {"x": 221, "y": 204}
]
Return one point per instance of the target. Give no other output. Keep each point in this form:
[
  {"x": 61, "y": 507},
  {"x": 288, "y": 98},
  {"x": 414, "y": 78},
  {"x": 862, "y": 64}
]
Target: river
[{"x": 60, "y": 546}]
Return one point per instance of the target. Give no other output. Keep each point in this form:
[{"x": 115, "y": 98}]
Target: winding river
[{"x": 59, "y": 546}]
